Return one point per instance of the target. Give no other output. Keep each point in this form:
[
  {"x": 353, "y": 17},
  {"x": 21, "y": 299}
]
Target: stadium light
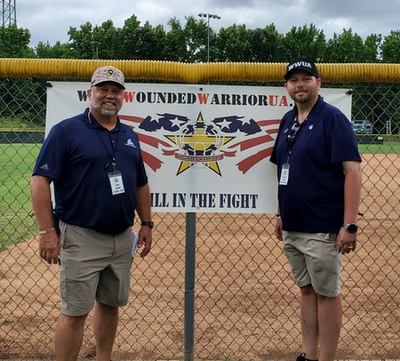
[{"x": 208, "y": 16}]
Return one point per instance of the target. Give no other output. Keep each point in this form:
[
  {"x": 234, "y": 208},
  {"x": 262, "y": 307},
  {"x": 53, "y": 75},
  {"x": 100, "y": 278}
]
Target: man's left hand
[{"x": 347, "y": 241}]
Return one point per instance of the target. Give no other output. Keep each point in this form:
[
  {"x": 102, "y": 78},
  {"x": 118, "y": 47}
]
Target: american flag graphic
[{"x": 250, "y": 141}]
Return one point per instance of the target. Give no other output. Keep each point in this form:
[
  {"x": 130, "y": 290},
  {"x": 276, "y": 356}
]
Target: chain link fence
[{"x": 246, "y": 303}]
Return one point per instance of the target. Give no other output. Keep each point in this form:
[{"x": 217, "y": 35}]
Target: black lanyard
[{"x": 114, "y": 148}]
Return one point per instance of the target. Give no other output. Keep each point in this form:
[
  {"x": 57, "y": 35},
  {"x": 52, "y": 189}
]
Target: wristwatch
[
  {"x": 350, "y": 227},
  {"x": 148, "y": 224}
]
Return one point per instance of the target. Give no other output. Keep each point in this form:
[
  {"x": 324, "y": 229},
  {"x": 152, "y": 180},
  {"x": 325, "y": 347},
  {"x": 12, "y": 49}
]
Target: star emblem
[{"x": 199, "y": 143}]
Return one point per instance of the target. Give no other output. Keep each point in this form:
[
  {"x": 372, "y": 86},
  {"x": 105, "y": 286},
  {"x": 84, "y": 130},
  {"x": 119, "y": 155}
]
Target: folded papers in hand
[{"x": 135, "y": 239}]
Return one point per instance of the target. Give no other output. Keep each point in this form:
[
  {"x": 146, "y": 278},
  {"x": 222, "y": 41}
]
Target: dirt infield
[{"x": 246, "y": 304}]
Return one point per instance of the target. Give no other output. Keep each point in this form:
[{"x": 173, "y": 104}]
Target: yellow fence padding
[{"x": 192, "y": 73}]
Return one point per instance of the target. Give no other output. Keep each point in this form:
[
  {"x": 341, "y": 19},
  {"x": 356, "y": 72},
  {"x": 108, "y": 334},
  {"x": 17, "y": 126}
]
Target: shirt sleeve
[
  {"x": 53, "y": 154},
  {"x": 344, "y": 141}
]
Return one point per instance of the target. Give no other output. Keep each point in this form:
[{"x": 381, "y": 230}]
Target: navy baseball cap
[{"x": 301, "y": 64}]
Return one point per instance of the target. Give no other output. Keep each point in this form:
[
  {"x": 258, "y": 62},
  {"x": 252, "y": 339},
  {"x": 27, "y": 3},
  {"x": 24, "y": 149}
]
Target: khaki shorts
[
  {"x": 314, "y": 260},
  {"x": 94, "y": 266}
]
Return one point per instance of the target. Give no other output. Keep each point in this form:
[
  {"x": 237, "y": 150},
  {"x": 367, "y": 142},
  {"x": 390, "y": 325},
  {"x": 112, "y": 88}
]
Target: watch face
[{"x": 352, "y": 228}]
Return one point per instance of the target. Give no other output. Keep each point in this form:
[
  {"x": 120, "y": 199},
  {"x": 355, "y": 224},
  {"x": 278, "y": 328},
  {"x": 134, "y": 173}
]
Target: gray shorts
[
  {"x": 94, "y": 266},
  {"x": 314, "y": 260}
]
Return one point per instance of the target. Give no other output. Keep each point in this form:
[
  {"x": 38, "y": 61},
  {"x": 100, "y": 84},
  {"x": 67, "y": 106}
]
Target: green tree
[
  {"x": 105, "y": 40},
  {"x": 234, "y": 44},
  {"x": 372, "y": 45},
  {"x": 265, "y": 45},
  {"x": 345, "y": 48},
  {"x": 176, "y": 44},
  {"x": 195, "y": 40},
  {"x": 141, "y": 42},
  {"x": 390, "y": 47},
  {"x": 17, "y": 95},
  {"x": 306, "y": 42},
  {"x": 23, "y": 99},
  {"x": 130, "y": 39},
  {"x": 14, "y": 42},
  {"x": 83, "y": 44},
  {"x": 57, "y": 51},
  {"x": 189, "y": 43},
  {"x": 152, "y": 42}
]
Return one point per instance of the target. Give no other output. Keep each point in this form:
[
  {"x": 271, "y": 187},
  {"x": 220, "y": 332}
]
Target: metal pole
[
  {"x": 190, "y": 263},
  {"x": 208, "y": 38},
  {"x": 190, "y": 257},
  {"x": 208, "y": 16}
]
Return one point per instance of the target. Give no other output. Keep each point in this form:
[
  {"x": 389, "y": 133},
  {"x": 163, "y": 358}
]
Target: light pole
[{"x": 209, "y": 16}]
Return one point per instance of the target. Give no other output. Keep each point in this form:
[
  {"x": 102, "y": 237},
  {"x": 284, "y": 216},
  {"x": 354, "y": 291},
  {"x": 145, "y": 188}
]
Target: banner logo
[{"x": 204, "y": 143}]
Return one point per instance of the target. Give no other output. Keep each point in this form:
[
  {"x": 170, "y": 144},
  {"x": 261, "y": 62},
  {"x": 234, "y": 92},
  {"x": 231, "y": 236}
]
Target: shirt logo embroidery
[
  {"x": 129, "y": 143},
  {"x": 44, "y": 167}
]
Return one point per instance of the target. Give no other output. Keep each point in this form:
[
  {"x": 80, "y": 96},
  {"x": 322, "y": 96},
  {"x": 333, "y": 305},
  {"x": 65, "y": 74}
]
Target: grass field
[
  {"x": 392, "y": 147},
  {"x": 16, "y": 220}
]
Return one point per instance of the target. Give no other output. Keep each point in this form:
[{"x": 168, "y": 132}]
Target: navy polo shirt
[
  {"x": 78, "y": 155},
  {"x": 313, "y": 199}
]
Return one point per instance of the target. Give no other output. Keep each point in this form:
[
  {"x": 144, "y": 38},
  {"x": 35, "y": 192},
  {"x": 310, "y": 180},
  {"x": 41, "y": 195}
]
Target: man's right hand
[
  {"x": 278, "y": 229},
  {"x": 49, "y": 247}
]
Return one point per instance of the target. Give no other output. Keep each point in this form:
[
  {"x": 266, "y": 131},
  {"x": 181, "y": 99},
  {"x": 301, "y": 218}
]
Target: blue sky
[{"x": 49, "y": 20}]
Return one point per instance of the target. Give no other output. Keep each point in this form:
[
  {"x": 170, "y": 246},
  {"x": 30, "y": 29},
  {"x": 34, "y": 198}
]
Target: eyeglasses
[{"x": 291, "y": 137}]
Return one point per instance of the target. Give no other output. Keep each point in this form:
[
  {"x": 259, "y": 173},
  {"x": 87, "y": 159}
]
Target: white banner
[{"x": 206, "y": 147}]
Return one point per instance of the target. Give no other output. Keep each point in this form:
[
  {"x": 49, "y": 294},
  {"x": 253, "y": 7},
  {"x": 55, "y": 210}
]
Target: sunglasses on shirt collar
[{"x": 291, "y": 137}]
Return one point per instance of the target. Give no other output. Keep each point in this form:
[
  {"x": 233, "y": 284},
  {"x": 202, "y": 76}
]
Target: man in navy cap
[{"x": 319, "y": 176}]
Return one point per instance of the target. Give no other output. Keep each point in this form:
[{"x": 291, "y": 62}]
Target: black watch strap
[
  {"x": 147, "y": 224},
  {"x": 350, "y": 227}
]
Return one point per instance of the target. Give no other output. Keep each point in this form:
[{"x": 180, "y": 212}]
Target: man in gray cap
[{"x": 95, "y": 164}]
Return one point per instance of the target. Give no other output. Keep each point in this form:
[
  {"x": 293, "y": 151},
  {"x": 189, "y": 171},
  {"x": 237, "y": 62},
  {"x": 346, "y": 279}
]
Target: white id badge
[
  {"x": 117, "y": 185},
  {"x": 283, "y": 180}
]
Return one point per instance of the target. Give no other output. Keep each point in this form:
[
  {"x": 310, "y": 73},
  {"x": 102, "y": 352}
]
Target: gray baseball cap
[{"x": 108, "y": 73}]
